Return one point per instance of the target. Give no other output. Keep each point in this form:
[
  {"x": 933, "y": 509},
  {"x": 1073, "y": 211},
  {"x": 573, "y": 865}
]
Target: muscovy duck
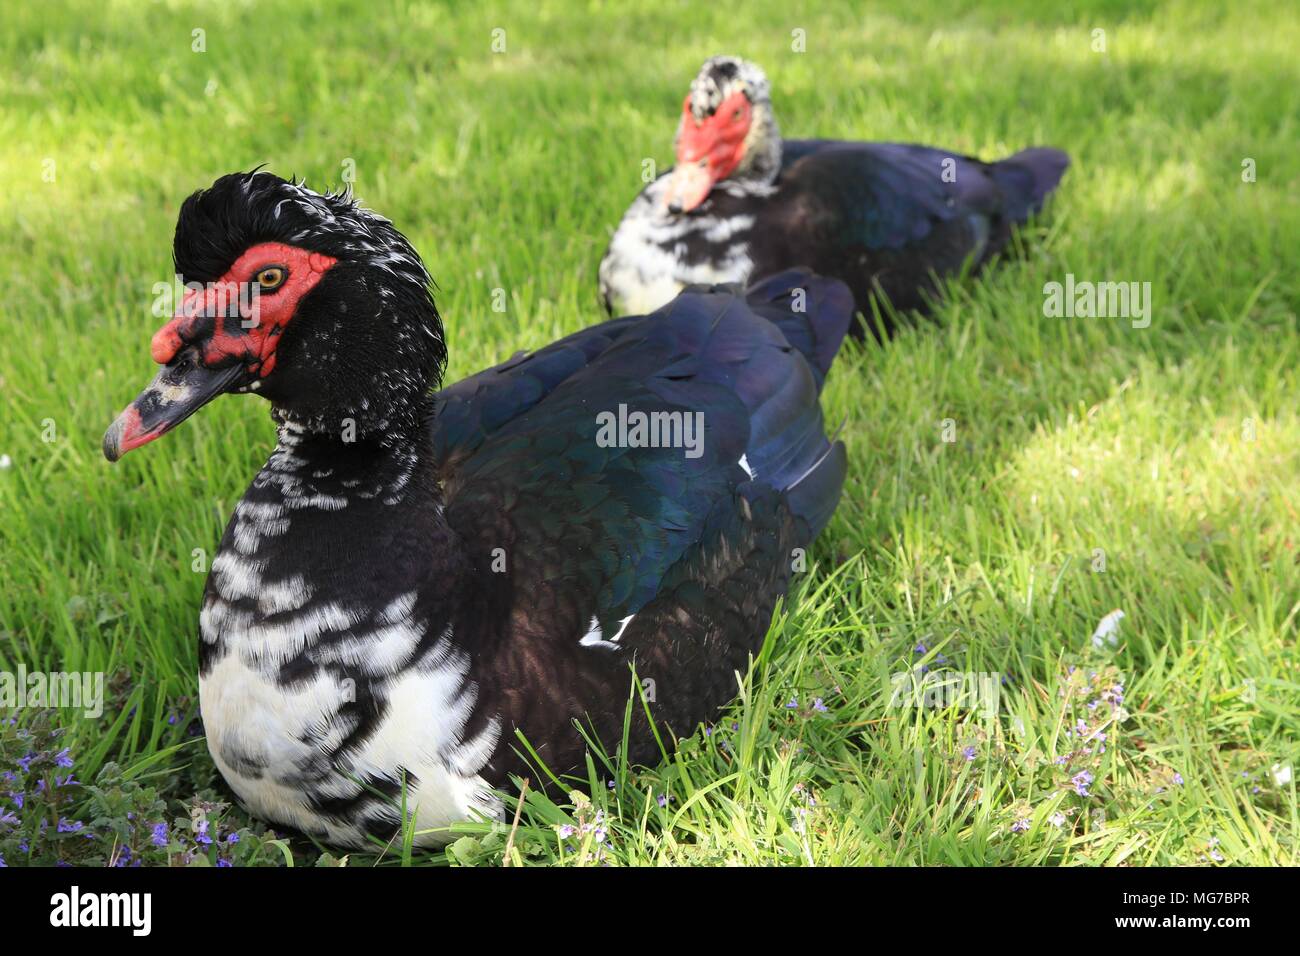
[
  {"x": 414, "y": 576},
  {"x": 887, "y": 218}
]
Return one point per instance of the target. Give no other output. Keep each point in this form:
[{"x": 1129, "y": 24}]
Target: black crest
[
  {"x": 240, "y": 209},
  {"x": 218, "y": 224}
]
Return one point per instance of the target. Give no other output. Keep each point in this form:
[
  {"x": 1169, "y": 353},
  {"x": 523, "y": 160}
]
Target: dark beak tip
[
  {"x": 112, "y": 445},
  {"x": 111, "y": 451},
  {"x": 176, "y": 393}
]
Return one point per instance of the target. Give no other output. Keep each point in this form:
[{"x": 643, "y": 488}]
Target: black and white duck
[
  {"x": 416, "y": 577},
  {"x": 741, "y": 202}
]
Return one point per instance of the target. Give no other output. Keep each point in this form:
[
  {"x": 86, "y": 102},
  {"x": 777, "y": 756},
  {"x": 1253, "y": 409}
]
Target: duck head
[
  {"x": 727, "y": 131},
  {"x": 304, "y": 298}
]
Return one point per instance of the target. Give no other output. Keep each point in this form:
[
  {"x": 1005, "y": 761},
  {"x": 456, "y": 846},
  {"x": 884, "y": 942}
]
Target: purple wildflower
[
  {"x": 969, "y": 752},
  {"x": 159, "y": 835},
  {"x": 1081, "y": 781},
  {"x": 1020, "y": 826}
]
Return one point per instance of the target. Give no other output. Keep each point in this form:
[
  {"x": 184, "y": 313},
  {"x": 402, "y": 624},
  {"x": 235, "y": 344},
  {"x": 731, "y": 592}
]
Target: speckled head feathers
[{"x": 719, "y": 77}]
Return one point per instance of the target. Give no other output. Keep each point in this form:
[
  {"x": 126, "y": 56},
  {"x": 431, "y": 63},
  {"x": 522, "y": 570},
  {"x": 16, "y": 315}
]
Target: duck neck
[
  {"x": 333, "y": 539},
  {"x": 339, "y": 511},
  {"x": 392, "y": 467}
]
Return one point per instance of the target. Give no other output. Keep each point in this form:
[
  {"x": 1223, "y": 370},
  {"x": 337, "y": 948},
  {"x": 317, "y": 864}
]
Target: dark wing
[
  {"x": 886, "y": 216},
  {"x": 573, "y": 526},
  {"x": 476, "y": 407}
]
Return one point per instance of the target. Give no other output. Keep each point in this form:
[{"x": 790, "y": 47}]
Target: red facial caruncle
[
  {"x": 264, "y": 287},
  {"x": 708, "y": 151},
  {"x": 222, "y": 338}
]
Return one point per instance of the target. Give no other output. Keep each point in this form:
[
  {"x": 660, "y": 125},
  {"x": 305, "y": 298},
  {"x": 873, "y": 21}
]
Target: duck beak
[
  {"x": 689, "y": 185},
  {"x": 181, "y": 388},
  {"x": 708, "y": 150}
]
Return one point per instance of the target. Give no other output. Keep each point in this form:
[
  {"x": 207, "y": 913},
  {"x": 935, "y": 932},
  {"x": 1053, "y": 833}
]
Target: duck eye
[{"x": 271, "y": 278}]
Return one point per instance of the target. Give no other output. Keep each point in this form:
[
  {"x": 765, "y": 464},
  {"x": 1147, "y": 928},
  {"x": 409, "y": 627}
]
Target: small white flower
[
  {"x": 1281, "y": 774},
  {"x": 5, "y": 461},
  {"x": 1107, "y": 628}
]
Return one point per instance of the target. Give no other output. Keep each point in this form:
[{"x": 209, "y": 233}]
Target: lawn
[{"x": 1013, "y": 477}]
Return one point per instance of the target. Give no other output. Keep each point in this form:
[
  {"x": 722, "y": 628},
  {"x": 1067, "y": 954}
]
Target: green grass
[{"x": 1172, "y": 452}]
